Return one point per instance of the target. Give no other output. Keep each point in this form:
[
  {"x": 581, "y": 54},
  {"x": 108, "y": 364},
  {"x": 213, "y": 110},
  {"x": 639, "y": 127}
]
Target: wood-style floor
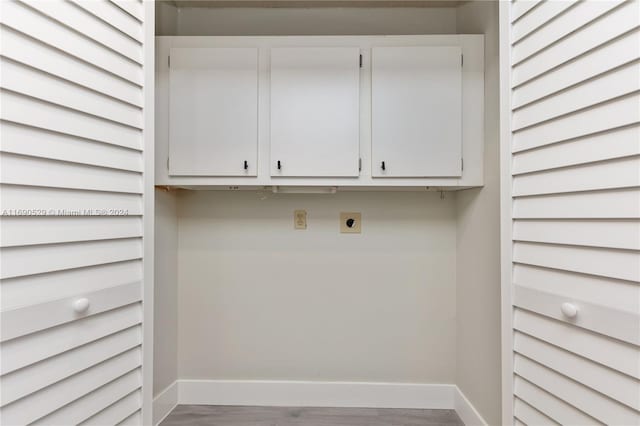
[{"x": 197, "y": 415}]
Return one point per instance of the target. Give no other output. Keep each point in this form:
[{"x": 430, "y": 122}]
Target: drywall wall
[
  {"x": 165, "y": 337},
  {"x": 478, "y": 241},
  {"x": 307, "y": 21},
  {"x": 260, "y": 300}
]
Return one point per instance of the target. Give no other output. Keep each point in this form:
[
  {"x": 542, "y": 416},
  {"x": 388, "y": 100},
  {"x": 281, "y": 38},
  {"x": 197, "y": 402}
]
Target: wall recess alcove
[{"x": 257, "y": 306}]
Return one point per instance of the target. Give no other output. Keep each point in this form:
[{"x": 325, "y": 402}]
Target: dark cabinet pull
[
  {"x": 279, "y": 165},
  {"x": 384, "y": 167},
  {"x": 246, "y": 165}
]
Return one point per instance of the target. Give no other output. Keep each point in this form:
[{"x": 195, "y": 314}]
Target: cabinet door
[
  {"x": 213, "y": 112},
  {"x": 315, "y": 111},
  {"x": 416, "y": 111}
]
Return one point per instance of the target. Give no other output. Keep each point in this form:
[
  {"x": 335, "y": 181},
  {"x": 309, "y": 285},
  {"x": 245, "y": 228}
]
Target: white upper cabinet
[
  {"x": 213, "y": 111},
  {"x": 416, "y": 111},
  {"x": 320, "y": 111},
  {"x": 315, "y": 111}
]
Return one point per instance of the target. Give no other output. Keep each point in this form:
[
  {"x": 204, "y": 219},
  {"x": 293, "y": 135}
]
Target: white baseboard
[
  {"x": 165, "y": 402},
  {"x": 467, "y": 412},
  {"x": 316, "y": 394}
]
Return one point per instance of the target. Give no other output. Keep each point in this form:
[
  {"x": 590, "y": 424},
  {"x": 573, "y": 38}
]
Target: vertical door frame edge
[
  {"x": 148, "y": 217},
  {"x": 506, "y": 213}
]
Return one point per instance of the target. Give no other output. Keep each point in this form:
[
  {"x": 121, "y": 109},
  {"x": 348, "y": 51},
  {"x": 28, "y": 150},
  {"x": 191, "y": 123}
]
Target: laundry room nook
[
  {"x": 319, "y": 212},
  {"x": 325, "y": 178}
]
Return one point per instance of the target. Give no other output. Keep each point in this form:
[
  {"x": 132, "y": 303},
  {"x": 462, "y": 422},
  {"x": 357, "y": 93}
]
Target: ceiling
[{"x": 317, "y": 3}]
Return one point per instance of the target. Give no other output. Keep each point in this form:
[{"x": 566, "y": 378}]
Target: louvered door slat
[
  {"x": 563, "y": 413},
  {"x": 560, "y": 26},
  {"x": 52, "y": 370},
  {"x": 75, "y": 17},
  {"x": 35, "y": 142},
  {"x": 23, "y": 18},
  {"x": 116, "y": 412},
  {"x": 22, "y": 231},
  {"x": 35, "y": 53},
  {"x": 113, "y": 15},
  {"x": 94, "y": 402},
  {"x": 582, "y": 42},
  {"x": 612, "y": 144},
  {"x": 46, "y": 401},
  {"x": 33, "y": 348},
  {"x": 37, "y": 84}
]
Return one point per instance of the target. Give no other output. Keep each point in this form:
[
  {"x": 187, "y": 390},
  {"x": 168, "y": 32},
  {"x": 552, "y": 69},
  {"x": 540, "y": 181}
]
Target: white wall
[
  {"x": 165, "y": 365},
  {"x": 260, "y": 300},
  {"x": 314, "y": 21},
  {"x": 478, "y": 241}
]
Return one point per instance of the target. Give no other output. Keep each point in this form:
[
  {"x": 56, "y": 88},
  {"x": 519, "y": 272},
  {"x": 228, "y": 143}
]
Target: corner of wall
[
  {"x": 164, "y": 403},
  {"x": 165, "y": 364},
  {"x": 166, "y": 18},
  {"x": 478, "y": 366}
]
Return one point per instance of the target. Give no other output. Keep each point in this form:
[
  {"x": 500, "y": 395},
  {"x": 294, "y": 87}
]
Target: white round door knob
[
  {"x": 569, "y": 310},
  {"x": 81, "y": 305}
]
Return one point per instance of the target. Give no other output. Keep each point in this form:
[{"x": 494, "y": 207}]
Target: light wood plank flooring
[{"x": 203, "y": 415}]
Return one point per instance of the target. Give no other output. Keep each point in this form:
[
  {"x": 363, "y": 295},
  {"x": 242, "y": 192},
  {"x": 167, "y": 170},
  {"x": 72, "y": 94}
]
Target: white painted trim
[
  {"x": 316, "y": 394},
  {"x": 467, "y": 412},
  {"x": 149, "y": 211},
  {"x": 506, "y": 213},
  {"x": 165, "y": 402}
]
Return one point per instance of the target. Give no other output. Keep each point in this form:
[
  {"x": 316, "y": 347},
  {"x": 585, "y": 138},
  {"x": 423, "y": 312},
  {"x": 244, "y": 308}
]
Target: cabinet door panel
[
  {"x": 315, "y": 111},
  {"x": 416, "y": 111},
  {"x": 213, "y": 117}
]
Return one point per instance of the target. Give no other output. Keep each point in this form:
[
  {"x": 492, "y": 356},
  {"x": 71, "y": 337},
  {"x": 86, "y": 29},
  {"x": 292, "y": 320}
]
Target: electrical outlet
[
  {"x": 350, "y": 223},
  {"x": 300, "y": 219}
]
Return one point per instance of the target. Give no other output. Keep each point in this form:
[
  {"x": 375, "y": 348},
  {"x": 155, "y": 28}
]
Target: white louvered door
[
  {"x": 571, "y": 182},
  {"x": 75, "y": 151}
]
